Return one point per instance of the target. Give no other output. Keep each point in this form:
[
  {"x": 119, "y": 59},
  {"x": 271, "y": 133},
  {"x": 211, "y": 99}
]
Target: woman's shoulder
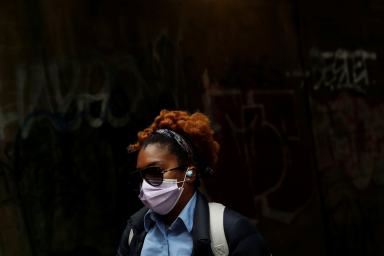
[
  {"x": 137, "y": 219},
  {"x": 242, "y": 234},
  {"x": 235, "y": 221}
]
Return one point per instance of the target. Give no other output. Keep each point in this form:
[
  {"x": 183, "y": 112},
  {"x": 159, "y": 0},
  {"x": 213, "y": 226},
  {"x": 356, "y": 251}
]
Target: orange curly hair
[{"x": 196, "y": 128}]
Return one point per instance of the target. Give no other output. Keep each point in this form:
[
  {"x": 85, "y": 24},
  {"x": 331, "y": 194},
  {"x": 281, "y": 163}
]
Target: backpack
[{"x": 219, "y": 243}]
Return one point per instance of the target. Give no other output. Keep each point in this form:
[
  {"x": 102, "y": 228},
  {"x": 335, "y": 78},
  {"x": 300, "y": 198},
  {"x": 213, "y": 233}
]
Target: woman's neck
[{"x": 183, "y": 201}]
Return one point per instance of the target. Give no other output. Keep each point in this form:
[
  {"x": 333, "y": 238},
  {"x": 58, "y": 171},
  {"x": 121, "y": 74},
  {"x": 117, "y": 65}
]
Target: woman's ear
[{"x": 190, "y": 174}]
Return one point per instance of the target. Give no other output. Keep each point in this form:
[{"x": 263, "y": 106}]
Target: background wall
[{"x": 294, "y": 90}]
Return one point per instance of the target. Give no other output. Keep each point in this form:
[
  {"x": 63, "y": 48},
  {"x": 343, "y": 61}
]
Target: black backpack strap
[{"x": 135, "y": 232}]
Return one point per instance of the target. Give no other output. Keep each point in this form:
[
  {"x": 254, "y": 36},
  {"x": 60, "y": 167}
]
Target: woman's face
[{"x": 159, "y": 156}]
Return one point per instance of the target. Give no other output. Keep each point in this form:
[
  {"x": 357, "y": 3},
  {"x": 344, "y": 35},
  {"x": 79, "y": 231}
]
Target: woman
[{"x": 174, "y": 152}]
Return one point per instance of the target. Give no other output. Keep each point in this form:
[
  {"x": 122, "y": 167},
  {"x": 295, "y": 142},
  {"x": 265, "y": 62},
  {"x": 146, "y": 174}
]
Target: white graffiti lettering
[
  {"x": 342, "y": 69},
  {"x": 57, "y": 89}
]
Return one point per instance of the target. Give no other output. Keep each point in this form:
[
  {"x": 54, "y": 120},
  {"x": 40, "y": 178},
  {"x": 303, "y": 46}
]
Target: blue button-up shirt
[{"x": 173, "y": 240}]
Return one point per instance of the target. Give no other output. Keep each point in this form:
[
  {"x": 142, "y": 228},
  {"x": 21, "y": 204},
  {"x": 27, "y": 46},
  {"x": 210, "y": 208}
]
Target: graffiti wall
[
  {"x": 348, "y": 130},
  {"x": 65, "y": 123},
  {"x": 293, "y": 89},
  {"x": 265, "y": 159}
]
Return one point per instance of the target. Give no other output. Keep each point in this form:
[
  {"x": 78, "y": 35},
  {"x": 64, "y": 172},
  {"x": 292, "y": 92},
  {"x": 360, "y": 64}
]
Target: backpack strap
[
  {"x": 130, "y": 236},
  {"x": 219, "y": 243},
  {"x": 137, "y": 221}
]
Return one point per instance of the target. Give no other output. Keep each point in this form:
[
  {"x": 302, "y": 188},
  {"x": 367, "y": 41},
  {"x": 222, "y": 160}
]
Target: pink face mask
[{"x": 163, "y": 198}]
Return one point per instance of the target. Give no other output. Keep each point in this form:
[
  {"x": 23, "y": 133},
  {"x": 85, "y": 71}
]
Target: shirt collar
[
  {"x": 187, "y": 213},
  {"x": 185, "y": 216}
]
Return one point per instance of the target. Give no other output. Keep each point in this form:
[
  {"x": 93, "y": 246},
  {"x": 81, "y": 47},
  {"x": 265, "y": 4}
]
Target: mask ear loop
[
  {"x": 177, "y": 182},
  {"x": 182, "y": 181},
  {"x": 181, "y": 190}
]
